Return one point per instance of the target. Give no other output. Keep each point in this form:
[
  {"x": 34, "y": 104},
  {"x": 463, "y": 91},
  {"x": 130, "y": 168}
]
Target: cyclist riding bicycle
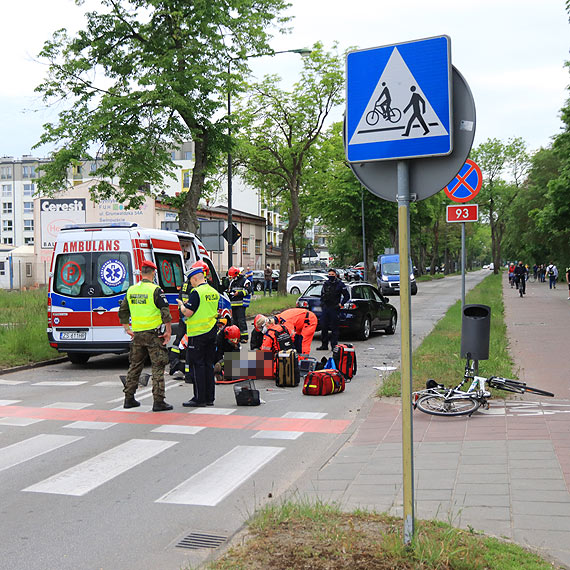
[{"x": 520, "y": 277}]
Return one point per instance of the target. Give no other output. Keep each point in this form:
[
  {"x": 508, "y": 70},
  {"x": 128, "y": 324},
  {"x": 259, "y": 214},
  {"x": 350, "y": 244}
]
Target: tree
[
  {"x": 280, "y": 129},
  {"x": 142, "y": 77},
  {"x": 504, "y": 167}
]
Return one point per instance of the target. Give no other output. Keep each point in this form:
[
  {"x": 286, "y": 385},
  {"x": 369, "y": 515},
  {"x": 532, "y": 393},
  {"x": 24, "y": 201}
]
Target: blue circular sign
[{"x": 113, "y": 273}]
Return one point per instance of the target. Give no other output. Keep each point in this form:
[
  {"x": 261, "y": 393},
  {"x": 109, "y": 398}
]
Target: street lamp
[{"x": 301, "y": 51}]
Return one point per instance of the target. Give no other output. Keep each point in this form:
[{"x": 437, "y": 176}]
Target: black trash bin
[{"x": 475, "y": 331}]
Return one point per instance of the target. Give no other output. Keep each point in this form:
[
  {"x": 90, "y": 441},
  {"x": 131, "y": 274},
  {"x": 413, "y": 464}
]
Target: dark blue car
[{"x": 366, "y": 310}]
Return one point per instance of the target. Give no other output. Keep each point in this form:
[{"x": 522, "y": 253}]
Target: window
[
  {"x": 2, "y": 268},
  {"x": 244, "y": 245},
  {"x": 28, "y": 207},
  {"x": 7, "y": 241},
  {"x": 173, "y": 155},
  {"x": 6, "y": 190},
  {"x": 185, "y": 179},
  {"x": 28, "y": 171},
  {"x": 257, "y": 247},
  {"x": 77, "y": 170},
  {"x": 29, "y": 241},
  {"x": 6, "y": 172},
  {"x": 170, "y": 273},
  {"x": 188, "y": 155},
  {"x": 29, "y": 189},
  {"x": 28, "y": 225},
  {"x": 7, "y": 208},
  {"x": 7, "y": 225},
  {"x": 93, "y": 167},
  {"x": 28, "y": 269}
]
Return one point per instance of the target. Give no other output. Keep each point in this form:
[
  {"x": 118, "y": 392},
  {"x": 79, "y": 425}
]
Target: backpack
[
  {"x": 344, "y": 356},
  {"x": 323, "y": 383},
  {"x": 283, "y": 339}
]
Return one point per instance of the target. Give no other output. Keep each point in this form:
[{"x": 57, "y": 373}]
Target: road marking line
[
  {"x": 90, "y": 425},
  {"x": 12, "y": 382},
  {"x": 9, "y": 402},
  {"x": 109, "y": 383},
  {"x": 214, "y": 411},
  {"x": 136, "y": 416},
  {"x": 268, "y": 434},
  {"x": 69, "y": 405},
  {"x": 184, "y": 430},
  {"x": 19, "y": 422},
  {"x": 304, "y": 415},
  {"x": 80, "y": 479},
  {"x": 145, "y": 393},
  {"x": 60, "y": 383},
  {"x": 138, "y": 409},
  {"x": 216, "y": 481},
  {"x": 33, "y": 447}
]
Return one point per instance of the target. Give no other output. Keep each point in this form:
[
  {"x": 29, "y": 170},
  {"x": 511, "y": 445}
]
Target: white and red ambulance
[{"x": 92, "y": 267}]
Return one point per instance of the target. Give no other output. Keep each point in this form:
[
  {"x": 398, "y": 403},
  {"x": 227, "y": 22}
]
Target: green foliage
[
  {"x": 279, "y": 131},
  {"x": 23, "y": 321},
  {"x": 142, "y": 77}
]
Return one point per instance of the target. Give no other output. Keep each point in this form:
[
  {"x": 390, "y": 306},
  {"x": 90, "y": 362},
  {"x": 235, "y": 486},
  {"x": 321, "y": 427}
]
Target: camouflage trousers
[{"x": 147, "y": 343}]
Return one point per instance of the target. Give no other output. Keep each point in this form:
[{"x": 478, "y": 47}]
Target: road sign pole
[
  {"x": 403, "y": 197},
  {"x": 462, "y": 266}
]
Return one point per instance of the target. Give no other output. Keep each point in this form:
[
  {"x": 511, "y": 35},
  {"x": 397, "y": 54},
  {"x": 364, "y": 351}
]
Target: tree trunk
[
  {"x": 187, "y": 217},
  {"x": 294, "y": 217}
]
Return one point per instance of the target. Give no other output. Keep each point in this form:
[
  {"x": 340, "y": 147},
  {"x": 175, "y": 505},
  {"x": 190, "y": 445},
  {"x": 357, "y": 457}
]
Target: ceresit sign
[{"x": 56, "y": 213}]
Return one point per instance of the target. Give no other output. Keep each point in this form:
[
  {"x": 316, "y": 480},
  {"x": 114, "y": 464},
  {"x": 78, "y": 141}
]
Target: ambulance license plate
[{"x": 73, "y": 335}]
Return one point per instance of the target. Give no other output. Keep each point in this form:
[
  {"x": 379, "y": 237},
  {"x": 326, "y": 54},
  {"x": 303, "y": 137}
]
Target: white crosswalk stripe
[
  {"x": 216, "y": 481},
  {"x": 80, "y": 479},
  {"x": 33, "y": 447}
]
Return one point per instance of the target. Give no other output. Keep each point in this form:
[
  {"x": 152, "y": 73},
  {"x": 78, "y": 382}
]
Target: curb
[{"x": 33, "y": 365}]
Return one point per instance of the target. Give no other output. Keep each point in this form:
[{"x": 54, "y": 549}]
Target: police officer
[
  {"x": 201, "y": 311},
  {"x": 334, "y": 295},
  {"x": 239, "y": 288},
  {"x": 147, "y": 307}
]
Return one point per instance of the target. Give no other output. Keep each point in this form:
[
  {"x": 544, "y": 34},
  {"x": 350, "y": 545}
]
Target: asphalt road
[{"x": 85, "y": 484}]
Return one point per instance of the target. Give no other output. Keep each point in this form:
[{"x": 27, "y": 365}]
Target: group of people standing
[{"x": 519, "y": 273}]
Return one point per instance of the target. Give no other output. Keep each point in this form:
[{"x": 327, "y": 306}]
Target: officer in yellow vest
[
  {"x": 201, "y": 311},
  {"x": 150, "y": 328}
]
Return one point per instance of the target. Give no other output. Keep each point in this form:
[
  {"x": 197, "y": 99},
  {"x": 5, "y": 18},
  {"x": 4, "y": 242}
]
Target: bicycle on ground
[{"x": 438, "y": 400}]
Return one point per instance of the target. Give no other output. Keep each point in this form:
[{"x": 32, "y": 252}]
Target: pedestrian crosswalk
[{"x": 209, "y": 486}]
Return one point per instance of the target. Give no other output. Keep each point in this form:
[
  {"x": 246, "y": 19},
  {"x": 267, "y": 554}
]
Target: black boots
[
  {"x": 161, "y": 407},
  {"x": 130, "y": 402},
  {"x": 322, "y": 348}
]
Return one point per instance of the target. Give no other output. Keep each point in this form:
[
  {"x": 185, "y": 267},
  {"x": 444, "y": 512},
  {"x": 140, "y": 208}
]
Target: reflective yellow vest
[
  {"x": 204, "y": 319},
  {"x": 145, "y": 315}
]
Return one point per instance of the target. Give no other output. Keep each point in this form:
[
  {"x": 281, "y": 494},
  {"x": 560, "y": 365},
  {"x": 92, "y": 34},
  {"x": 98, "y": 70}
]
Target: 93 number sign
[{"x": 465, "y": 213}]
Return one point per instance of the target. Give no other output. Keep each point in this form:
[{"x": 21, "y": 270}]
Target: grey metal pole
[
  {"x": 230, "y": 212},
  {"x": 363, "y": 235},
  {"x": 403, "y": 198},
  {"x": 462, "y": 266}
]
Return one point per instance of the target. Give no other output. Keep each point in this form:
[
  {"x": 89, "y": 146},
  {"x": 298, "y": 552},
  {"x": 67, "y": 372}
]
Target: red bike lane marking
[{"x": 254, "y": 423}]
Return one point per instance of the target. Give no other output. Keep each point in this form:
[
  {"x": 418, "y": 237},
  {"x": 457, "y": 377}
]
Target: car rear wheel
[
  {"x": 258, "y": 286},
  {"x": 391, "y": 328},
  {"x": 365, "y": 328},
  {"x": 78, "y": 357},
  {"x": 295, "y": 291}
]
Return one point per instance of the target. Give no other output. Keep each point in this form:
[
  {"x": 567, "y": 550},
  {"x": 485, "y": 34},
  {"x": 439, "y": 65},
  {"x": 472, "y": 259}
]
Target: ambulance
[{"x": 92, "y": 267}]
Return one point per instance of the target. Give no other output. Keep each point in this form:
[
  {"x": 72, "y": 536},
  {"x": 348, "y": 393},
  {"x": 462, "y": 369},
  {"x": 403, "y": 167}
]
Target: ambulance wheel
[{"x": 78, "y": 357}]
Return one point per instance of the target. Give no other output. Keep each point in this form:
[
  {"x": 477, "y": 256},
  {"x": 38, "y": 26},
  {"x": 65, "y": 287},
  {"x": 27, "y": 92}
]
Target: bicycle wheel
[
  {"x": 506, "y": 384},
  {"x": 372, "y": 117},
  {"x": 395, "y": 115},
  {"x": 441, "y": 406},
  {"x": 532, "y": 390}
]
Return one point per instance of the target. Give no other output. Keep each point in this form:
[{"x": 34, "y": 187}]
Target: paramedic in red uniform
[
  {"x": 201, "y": 311},
  {"x": 147, "y": 307},
  {"x": 304, "y": 323}
]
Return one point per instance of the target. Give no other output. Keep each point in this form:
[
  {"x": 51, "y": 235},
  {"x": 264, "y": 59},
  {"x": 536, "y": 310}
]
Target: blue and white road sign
[{"x": 398, "y": 101}]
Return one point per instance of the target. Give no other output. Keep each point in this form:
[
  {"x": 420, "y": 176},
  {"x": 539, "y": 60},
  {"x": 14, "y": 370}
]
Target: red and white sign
[{"x": 463, "y": 213}]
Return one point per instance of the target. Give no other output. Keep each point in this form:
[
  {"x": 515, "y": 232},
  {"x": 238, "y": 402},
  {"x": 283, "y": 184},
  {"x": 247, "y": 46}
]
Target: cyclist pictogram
[{"x": 383, "y": 108}]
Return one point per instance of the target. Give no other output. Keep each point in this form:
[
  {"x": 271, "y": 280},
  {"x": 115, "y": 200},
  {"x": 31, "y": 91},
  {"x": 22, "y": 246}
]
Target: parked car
[
  {"x": 259, "y": 280},
  {"x": 298, "y": 282},
  {"x": 366, "y": 310}
]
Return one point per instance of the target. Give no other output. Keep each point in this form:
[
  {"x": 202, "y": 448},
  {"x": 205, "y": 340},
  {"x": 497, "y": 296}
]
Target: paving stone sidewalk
[{"x": 505, "y": 472}]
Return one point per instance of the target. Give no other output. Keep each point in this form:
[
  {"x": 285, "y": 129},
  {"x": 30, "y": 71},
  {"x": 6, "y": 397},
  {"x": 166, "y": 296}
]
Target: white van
[{"x": 92, "y": 267}]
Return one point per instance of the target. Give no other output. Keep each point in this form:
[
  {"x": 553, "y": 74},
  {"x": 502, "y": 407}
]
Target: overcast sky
[{"x": 511, "y": 52}]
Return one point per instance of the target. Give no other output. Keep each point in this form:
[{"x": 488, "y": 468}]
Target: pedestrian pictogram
[
  {"x": 399, "y": 102},
  {"x": 466, "y": 185}
]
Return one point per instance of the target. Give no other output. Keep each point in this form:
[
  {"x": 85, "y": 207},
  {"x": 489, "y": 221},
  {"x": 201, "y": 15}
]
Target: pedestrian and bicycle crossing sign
[{"x": 398, "y": 101}]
